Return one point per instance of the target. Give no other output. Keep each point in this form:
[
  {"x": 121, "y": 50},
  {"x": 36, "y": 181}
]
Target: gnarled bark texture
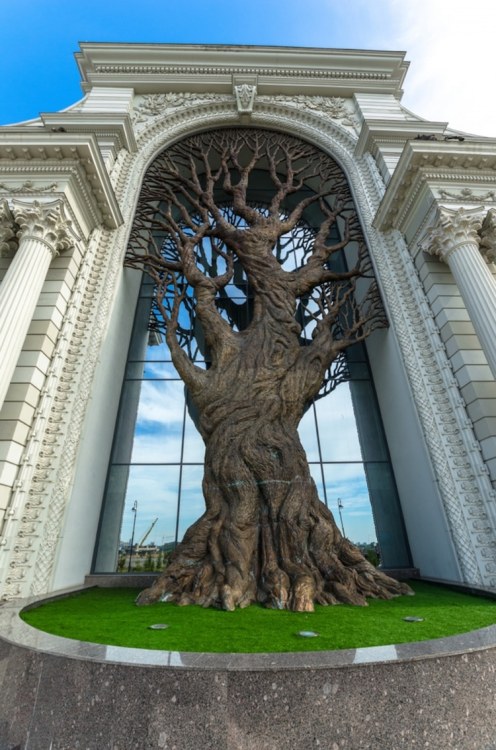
[{"x": 265, "y": 535}]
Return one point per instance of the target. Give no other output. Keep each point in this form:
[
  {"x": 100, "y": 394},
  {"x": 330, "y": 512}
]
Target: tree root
[{"x": 332, "y": 574}]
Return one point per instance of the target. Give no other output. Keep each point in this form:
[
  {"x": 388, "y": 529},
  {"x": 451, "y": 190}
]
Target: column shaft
[
  {"x": 43, "y": 232},
  {"x": 19, "y": 294},
  {"x": 478, "y": 289}
]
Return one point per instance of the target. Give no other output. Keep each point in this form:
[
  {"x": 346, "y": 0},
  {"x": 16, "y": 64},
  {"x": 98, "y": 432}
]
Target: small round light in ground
[
  {"x": 158, "y": 626},
  {"x": 308, "y": 634},
  {"x": 412, "y": 618}
]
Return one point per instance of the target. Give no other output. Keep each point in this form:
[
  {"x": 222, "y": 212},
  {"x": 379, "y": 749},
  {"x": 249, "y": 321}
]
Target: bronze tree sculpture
[{"x": 213, "y": 206}]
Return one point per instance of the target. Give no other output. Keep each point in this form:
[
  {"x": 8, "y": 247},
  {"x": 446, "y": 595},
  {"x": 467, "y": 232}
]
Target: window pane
[
  {"x": 389, "y": 521},
  {"x": 155, "y": 489},
  {"x": 194, "y": 447},
  {"x": 192, "y": 502},
  {"x": 369, "y": 422},
  {"x": 159, "y": 425},
  {"x": 337, "y": 426},
  {"x": 308, "y": 435},
  {"x": 316, "y": 474},
  {"x": 347, "y": 486}
]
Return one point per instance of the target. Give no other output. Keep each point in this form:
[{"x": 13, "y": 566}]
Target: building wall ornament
[
  {"x": 43, "y": 232},
  {"x": 45, "y": 222},
  {"x": 46, "y": 477},
  {"x": 335, "y": 107},
  {"x": 212, "y": 70},
  {"x": 487, "y": 234},
  {"x": 8, "y": 231},
  {"x": 467, "y": 195},
  {"x": 29, "y": 187},
  {"x": 454, "y": 229},
  {"x": 68, "y": 172},
  {"x": 245, "y": 97},
  {"x": 148, "y": 106},
  {"x": 456, "y": 239}
]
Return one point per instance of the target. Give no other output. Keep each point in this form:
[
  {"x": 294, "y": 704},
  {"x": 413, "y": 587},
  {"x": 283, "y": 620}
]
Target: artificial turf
[{"x": 110, "y": 616}]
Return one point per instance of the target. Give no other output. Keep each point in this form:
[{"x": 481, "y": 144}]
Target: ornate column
[
  {"x": 457, "y": 241},
  {"x": 42, "y": 231}
]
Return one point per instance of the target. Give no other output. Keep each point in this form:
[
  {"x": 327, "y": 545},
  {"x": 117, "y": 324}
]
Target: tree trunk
[{"x": 265, "y": 535}]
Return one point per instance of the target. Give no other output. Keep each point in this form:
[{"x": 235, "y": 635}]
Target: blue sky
[{"x": 449, "y": 42}]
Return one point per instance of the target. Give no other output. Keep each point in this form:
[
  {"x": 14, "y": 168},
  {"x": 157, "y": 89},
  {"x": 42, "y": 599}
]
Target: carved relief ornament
[
  {"x": 245, "y": 97},
  {"x": 8, "y": 230},
  {"x": 487, "y": 234},
  {"x": 454, "y": 228},
  {"x": 45, "y": 222}
]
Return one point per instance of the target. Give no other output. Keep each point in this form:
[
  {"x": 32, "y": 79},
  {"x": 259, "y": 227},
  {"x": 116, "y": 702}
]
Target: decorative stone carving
[
  {"x": 455, "y": 239},
  {"x": 245, "y": 97},
  {"x": 335, "y": 107},
  {"x": 153, "y": 105},
  {"x": 29, "y": 187},
  {"x": 8, "y": 229},
  {"x": 453, "y": 229},
  {"x": 43, "y": 232},
  {"x": 466, "y": 195},
  {"x": 487, "y": 234},
  {"x": 45, "y": 222}
]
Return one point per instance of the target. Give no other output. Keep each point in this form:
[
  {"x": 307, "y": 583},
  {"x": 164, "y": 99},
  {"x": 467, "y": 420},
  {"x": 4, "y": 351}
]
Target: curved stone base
[{"x": 59, "y": 694}]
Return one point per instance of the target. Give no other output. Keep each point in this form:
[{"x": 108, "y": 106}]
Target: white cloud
[{"x": 450, "y": 44}]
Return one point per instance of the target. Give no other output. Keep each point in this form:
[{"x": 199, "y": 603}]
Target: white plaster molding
[
  {"x": 162, "y": 68},
  {"x": 455, "y": 238},
  {"x": 435, "y": 166},
  {"x": 43, "y": 232},
  {"x": 453, "y": 228},
  {"x": 488, "y": 236},
  {"x": 245, "y": 94},
  {"x": 463, "y": 481},
  {"x": 150, "y": 106},
  {"x": 32, "y": 507},
  {"x": 46, "y": 223},
  {"x": 341, "y": 110},
  {"x": 8, "y": 231},
  {"x": 467, "y": 195},
  {"x": 72, "y": 159},
  {"x": 29, "y": 186},
  {"x": 464, "y": 485}
]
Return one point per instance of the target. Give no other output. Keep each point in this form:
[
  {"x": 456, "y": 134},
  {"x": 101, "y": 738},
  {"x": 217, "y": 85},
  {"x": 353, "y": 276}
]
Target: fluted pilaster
[
  {"x": 456, "y": 239},
  {"x": 42, "y": 231}
]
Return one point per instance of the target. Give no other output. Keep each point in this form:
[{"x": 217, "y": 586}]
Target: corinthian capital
[
  {"x": 45, "y": 222},
  {"x": 8, "y": 238},
  {"x": 453, "y": 228},
  {"x": 487, "y": 234}
]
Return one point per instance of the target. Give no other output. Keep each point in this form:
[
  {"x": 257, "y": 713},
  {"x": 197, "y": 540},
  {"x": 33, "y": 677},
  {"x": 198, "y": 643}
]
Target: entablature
[
  {"x": 37, "y": 162},
  {"x": 431, "y": 174},
  {"x": 155, "y": 68}
]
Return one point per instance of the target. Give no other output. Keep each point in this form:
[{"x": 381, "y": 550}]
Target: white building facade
[{"x": 69, "y": 185}]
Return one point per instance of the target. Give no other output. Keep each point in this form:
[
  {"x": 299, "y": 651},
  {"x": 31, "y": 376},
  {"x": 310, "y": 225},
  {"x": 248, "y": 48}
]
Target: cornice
[
  {"x": 424, "y": 163},
  {"x": 394, "y": 131},
  {"x": 104, "y": 125},
  {"x": 24, "y": 149},
  {"x": 153, "y": 68}
]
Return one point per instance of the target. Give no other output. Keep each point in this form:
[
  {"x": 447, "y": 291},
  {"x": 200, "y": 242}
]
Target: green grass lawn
[{"x": 110, "y": 616}]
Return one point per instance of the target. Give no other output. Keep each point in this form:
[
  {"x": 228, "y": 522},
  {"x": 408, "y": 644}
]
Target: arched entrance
[{"x": 157, "y": 453}]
